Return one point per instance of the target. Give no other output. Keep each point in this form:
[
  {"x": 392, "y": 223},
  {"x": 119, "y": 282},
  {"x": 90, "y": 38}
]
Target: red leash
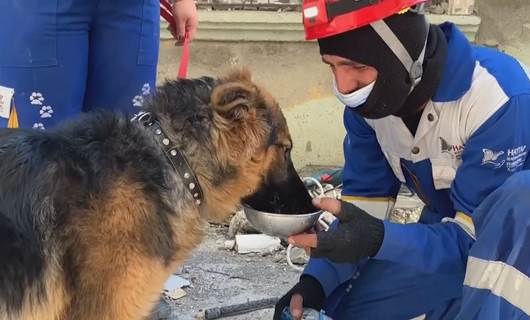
[{"x": 167, "y": 13}]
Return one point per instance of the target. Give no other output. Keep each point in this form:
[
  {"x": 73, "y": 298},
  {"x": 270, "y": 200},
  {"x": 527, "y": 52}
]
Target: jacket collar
[{"x": 459, "y": 65}]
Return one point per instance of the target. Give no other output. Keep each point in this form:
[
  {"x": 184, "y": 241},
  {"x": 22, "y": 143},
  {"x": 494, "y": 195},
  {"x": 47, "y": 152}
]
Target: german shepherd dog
[{"x": 97, "y": 213}]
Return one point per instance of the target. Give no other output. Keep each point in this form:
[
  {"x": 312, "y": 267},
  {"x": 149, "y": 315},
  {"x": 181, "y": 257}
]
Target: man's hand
[
  {"x": 186, "y": 19},
  {"x": 357, "y": 235},
  {"x": 306, "y": 293}
]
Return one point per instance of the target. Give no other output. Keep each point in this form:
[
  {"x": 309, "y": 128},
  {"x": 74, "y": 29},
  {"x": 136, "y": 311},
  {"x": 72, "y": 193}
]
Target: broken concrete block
[{"x": 257, "y": 243}]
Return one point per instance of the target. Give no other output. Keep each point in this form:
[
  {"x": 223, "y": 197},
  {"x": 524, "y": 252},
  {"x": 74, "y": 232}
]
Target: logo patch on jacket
[
  {"x": 455, "y": 150},
  {"x": 492, "y": 158},
  {"x": 514, "y": 158}
]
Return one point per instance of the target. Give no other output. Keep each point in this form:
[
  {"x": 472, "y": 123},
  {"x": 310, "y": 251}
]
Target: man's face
[{"x": 349, "y": 75}]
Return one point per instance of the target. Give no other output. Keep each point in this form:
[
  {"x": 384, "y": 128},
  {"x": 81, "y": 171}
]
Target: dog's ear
[{"x": 234, "y": 99}]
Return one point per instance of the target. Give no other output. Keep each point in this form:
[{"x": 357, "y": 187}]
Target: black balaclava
[{"x": 392, "y": 94}]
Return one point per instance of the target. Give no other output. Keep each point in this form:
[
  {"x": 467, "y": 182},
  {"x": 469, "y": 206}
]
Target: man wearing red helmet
[{"x": 449, "y": 119}]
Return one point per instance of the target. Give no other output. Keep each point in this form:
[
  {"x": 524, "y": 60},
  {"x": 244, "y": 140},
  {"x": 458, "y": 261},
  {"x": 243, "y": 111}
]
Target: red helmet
[{"x": 324, "y": 18}]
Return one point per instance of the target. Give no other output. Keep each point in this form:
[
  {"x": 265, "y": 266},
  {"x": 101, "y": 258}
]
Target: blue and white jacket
[{"x": 473, "y": 134}]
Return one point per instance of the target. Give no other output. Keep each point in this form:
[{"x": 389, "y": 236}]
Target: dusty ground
[{"x": 221, "y": 277}]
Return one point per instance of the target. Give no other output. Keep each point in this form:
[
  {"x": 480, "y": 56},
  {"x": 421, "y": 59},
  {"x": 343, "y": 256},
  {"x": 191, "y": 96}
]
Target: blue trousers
[
  {"x": 64, "y": 57},
  {"x": 496, "y": 284}
]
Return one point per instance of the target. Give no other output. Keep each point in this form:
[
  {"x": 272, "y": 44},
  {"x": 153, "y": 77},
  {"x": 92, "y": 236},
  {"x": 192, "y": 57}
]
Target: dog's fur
[{"x": 93, "y": 218}]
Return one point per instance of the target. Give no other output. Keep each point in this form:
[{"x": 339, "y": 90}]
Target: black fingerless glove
[
  {"x": 311, "y": 291},
  {"x": 358, "y": 235}
]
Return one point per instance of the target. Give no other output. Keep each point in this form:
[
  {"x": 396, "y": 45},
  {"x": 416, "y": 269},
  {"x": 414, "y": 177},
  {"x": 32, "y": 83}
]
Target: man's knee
[
  {"x": 518, "y": 184},
  {"x": 513, "y": 196},
  {"x": 519, "y": 178}
]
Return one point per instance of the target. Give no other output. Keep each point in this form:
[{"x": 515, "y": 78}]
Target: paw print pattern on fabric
[
  {"x": 146, "y": 89},
  {"x": 46, "y": 112},
  {"x": 36, "y": 98},
  {"x": 138, "y": 101},
  {"x": 38, "y": 126}
]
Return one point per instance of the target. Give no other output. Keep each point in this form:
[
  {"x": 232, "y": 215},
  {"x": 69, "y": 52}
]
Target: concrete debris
[
  {"x": 257, "y": 243},
  {"x": 229, "y": 244}
]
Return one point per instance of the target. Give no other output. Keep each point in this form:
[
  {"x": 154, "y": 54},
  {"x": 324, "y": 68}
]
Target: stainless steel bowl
[{"x": 280, "y": 225}]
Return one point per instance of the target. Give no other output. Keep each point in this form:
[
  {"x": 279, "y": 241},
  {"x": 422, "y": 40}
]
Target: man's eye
[{"x": 359, "y": 67}]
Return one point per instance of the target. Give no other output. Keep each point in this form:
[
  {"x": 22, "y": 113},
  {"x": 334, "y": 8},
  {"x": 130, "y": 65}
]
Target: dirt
[{"x": 220, "y": 277}]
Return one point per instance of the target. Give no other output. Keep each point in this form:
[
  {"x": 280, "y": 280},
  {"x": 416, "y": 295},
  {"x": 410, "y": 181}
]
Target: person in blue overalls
[
  {"x": 59, "y": 58},
  {"x": 449, "y": 119}
]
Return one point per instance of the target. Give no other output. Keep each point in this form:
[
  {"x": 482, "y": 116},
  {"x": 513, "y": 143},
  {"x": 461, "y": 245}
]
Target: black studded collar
[{"x": 175, "y": 157}]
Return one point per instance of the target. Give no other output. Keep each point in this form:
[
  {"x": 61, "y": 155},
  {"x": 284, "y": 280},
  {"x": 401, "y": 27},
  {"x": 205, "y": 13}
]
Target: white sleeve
[{"x": 377, "y": 207}]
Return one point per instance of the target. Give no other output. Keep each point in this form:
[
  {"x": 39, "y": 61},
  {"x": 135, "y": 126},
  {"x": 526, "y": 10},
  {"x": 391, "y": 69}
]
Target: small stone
[{"x": 229, "y": 244}]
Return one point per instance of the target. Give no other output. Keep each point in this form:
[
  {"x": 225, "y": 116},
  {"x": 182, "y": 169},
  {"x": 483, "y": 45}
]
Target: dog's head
[
  {"x": 236, "y": 139},
  {"x": 254, "y": 133}
]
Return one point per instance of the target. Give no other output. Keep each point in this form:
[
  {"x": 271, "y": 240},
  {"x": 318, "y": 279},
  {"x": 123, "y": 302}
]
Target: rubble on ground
[{"x": 236, "y": 265}]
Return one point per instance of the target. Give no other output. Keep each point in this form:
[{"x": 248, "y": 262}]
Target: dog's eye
[{"x": 286, "y": 150}]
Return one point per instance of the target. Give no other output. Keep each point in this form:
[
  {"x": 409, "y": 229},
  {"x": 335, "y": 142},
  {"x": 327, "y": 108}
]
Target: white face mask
[{"x": 356, "y": 98}]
